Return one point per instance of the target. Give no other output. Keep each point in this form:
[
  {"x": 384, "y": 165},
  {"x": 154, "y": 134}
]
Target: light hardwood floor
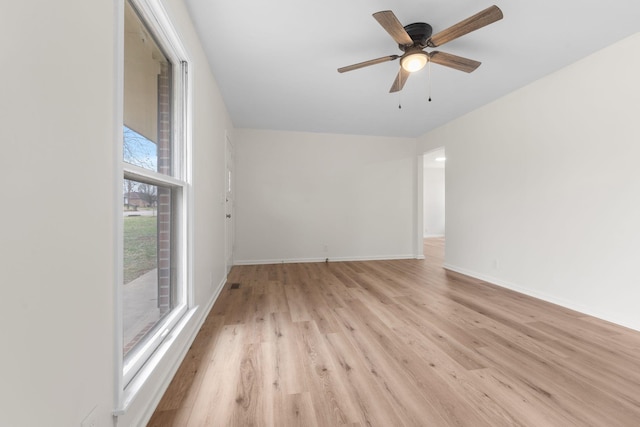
[{"x": 398, "y": 343}]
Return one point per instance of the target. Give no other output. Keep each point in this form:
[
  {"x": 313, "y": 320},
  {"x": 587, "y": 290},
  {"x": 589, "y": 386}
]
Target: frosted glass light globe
[{"x": 414, "y": 62}]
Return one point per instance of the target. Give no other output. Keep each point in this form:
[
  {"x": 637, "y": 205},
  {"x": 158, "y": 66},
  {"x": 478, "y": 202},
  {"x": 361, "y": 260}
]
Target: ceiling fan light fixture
[{"x": 414, "y": 61}]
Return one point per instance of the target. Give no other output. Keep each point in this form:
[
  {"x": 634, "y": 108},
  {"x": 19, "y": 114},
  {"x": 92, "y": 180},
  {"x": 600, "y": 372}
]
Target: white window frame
[{"x": 130, "y": 375}]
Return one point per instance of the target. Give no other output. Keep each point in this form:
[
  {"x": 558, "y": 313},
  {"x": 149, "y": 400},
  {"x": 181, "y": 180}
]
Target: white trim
[
  {"x": 140, "y": 358},
  {"x": 150, "y": 364},
  {"x": 202, "y": 315},
  {"x": 187, "y": 122},
  {"x": 229, "y": 229},
  {"x": 418, "y": 207},
  {"x": 118, "y": 324},
  {"x": 147, "y": 176},
  {"x": 338, "y": 259},
  {"x": 131, "y": 377},
  {"x": 153, "y": 12},
  {"x": 609, "y": 317},
  {"x": 421, "y": 195}
]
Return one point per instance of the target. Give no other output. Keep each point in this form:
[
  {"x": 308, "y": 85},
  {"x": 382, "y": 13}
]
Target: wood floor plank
[
  {"x": 526, "y": 403},
  {"x": 296, "y": 410},
  {"x": 325, "y": 386},
  {"x": 374, "y": 404},
  {"x": 398, "y": 343},
  {"x": 298, "y": 304},
  {"x": 249, "y": 409},
  {"x": 286, "y": 365},
  {"x": 217, "y": 392},
  {"x": 415, "y": 390},
  {"x": 567, "y": 390}
]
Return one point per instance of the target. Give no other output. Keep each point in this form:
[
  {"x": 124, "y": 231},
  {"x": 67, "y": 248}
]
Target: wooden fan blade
[
  {"x": 453, "y": 61},
  {"x": 367, "y": 63},
  {"x": 475, "y": 22},
  {"x": 390, "y": 23},
  {"x": 400, "y": 80}
]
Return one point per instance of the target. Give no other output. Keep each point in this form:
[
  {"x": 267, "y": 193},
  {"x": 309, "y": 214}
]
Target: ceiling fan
[{"x": 412, "y": 39}]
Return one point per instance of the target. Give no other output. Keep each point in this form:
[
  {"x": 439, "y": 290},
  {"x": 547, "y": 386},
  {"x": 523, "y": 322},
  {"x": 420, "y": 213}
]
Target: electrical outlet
[
  {"x": 90, "y": 420},
  {"x": 496, "y": 264}
]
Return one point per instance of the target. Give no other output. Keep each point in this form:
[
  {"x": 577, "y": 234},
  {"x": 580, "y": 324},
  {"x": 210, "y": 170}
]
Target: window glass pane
[
  {"x": 139, "y": 151},
  {"x": 147, "y": 98},
  {"x": 148, "y": 289}
]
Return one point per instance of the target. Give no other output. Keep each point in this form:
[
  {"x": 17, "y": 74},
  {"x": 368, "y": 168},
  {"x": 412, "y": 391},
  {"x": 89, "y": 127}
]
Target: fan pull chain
[
  {"x": 400, "y": 92},
  {"x": 429, "y": 77}
]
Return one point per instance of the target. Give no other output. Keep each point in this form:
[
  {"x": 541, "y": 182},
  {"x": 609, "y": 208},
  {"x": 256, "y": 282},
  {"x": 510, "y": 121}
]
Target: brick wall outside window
[{"x": 164, "y": 194}]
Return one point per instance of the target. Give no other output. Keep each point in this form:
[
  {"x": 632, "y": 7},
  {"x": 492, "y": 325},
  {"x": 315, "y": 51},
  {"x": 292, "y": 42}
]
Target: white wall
[
  {"x": 434, "y": 202},
  {"x": 299, "y": 193},
  {"x": 59, "y": 202},
  {"x": 543, "y": 185}
]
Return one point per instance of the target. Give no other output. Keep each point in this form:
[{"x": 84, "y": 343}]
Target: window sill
[{"x": 132, "y": 390}]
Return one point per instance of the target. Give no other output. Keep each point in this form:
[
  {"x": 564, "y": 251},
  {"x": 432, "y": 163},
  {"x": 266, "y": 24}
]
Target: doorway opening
[{"x": 433, "y": 197}]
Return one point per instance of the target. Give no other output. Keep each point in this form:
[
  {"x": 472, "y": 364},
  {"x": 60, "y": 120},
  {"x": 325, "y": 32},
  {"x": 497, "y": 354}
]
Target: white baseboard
[
  {"x": 334, "y": 259},
  {"x": 427, "y": 236},
  {"x": 589, "y": 311}
]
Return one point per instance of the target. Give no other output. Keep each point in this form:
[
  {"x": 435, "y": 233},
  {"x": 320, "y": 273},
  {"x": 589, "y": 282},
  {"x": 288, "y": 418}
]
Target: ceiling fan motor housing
[{"x": 419, "y": 32}]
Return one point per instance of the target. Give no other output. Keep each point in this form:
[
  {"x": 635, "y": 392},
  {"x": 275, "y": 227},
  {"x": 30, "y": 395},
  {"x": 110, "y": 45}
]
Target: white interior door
[{"x": 228, "y": 205}]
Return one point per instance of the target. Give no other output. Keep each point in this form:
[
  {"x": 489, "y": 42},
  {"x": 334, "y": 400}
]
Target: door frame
[{"x": 229, "y": 202}]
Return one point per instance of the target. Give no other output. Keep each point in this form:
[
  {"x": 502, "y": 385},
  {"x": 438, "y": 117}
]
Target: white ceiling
[{"x": 275, "y": 61}]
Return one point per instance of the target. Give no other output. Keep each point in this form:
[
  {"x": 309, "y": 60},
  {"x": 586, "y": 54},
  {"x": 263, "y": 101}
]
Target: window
[{"x": 155, "y": 187}]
